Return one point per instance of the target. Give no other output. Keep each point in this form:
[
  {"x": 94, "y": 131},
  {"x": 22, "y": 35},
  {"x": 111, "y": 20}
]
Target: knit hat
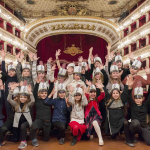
[
  {"x": 16, "y": 92},
  {"x": 137, "y": 63},
  {"x": 62, "y": 71},
  {"x": 40, "y": 68},
  {"x": 118, "y": 58},
  {"x": 61, "y": 87},
  {"x": 115, "y": 86},
  {"x": 83, "y": 64},
  {"x": 138, "y": 91}
]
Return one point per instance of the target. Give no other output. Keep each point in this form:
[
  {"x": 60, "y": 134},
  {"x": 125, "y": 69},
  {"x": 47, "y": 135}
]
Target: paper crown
[
  {"x": 137, "y": 63},
  {"x": 78, "y": 90},
  {"x": 84, "y": 64},
  {"x": 40, "y": 68},
  {"x": 42, "y": 86},
  {"x": 11, "y": 66},
  {"x": 115, "y": 86},
  {"x": 96, "y": 58},
  {"x": 71, "y": 65},
  {"x": 97, "y": 71},
  {"x": 26, "y": 66},
  {"x": 23, "y": 90},
  {"x": 114, "y": 68},
  {"x": 62, "y": 72},
  {"x": 61, "y": 87},
  {"x": 77, "y": 69},
  {"x": 92, "y": 87},
  {"x": 118, "y": 57},
  {"x": 16, "y": 92},
  {"x": 138, "y": 91}
]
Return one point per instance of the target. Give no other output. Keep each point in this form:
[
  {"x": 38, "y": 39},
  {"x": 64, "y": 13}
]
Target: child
[
  {"x": 134, "y": 69},
  {"x": 25, "y": 75},
  {"x": 40, "y": 71},
  {"x": 43, "y": 112},
  {"x": 114, "y": 77},
  {"x": 59, "y": 119},
  {"x": 115, "y": 111},
  {"x": 8, "y": 125},
  {"x": 22, "y": 118},
  {"x": 77, "y": 76},
  {"x": 93, "y": 118},
  {"x": 138, "y": 115},
  {"x": 11, "y": 77},
  {"x": 78, "y": 101}
]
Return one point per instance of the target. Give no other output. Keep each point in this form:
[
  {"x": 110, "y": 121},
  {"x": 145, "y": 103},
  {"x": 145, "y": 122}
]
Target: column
[
  {"x": 5, "y": 24},
  {"x": 147, "y": 16},
  {"x": 137, "y": 44},
  {"x": 129, "y": 29},
  {"x": 5, "y": 46},
  {"x": 137, "y": 23},
  {"x": 129, "y": 48},
  {"x": 122, "y": 33},
  {"x": 122, "y": 52},
  {"x": 14, "y": 50},
  {"x": 14, "y": 30},
  {"x": 147, "y": 39},
  {"x": 21, "y": 34}
]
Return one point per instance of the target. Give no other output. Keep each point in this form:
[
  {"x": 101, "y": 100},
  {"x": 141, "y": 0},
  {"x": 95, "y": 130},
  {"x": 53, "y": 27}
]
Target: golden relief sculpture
[{"x": 73, "y": 50}]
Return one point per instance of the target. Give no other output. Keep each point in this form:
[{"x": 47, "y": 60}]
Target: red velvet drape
[{"x": 47, "y": 47}]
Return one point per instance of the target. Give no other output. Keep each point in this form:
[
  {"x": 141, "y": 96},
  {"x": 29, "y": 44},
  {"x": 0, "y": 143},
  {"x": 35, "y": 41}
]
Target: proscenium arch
[{"x": 49, "y": 26}]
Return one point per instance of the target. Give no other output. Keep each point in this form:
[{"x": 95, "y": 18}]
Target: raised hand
[
  {"x": 58, "y": 52},
  {"x": 53, "y": 67},
  {"x": 3, "y": 53},
  {"x": 49, "y": 60},
  {"x": 71, "y": 88},
  {"x": 101, "y": 66},
  {"x": 109, "y": 46},
  {"x": 131, "y": 56},
  {"x": 88, "y": 82},
  {"x": 52, "y": 93},
  {"x": 80, "y": 59},
  {"x": 21, "y": 56},
  {"x": 87, "y": 67},
  {"x": 13, "y": 86},
  {"x": 92, "y": 58},
  {"x": 99, "y": 86},
  {"x": 21, "y": 83},
  {"x": 112, "y": 55},
  {"x": 147, "y": 70},
  {"x": 17, "y": 56},
  {"x": 35, "y": 57},
  {"x": 38, "y": 80},
  {"x": 130, "y": 81},
  {"x": 90, "y": 50},
  {"x": 29, "y": 88},
  {"x": 30, "y": 54}
]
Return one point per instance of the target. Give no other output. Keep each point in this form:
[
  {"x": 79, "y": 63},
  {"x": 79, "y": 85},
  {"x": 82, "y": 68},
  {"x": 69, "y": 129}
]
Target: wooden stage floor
[{"x": 109, "y": 144}]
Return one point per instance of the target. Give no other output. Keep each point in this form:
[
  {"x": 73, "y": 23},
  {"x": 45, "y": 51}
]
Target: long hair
[
  {"x": 25, "y": 104},
  {"x": 78, "y": 102},
  {"x": 112, "y": 80},
  {"x": 101, "y": 77},
  {"x": 111, "y": 99}
]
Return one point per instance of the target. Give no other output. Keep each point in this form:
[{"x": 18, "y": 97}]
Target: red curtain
[{"x": 47, "y": 47}]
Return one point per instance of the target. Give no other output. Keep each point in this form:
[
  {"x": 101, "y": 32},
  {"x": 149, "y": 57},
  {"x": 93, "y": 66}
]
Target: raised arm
[
  {"x": 9, "y": 99},
  {"x": 57, "y": 59},
  {"x": 35, "y": 92},
  {"x": 34, "y": 74},
  {"x": 3, "y": 76},
  {"x": 48, "y": 68},
  {"x": 32, "y": 100},
  {"x": 51, "y": 86},
  {"x": 84, "y": 101},
  {"x": 70, "y": 100},
  {"x": 105, "y": 77}
]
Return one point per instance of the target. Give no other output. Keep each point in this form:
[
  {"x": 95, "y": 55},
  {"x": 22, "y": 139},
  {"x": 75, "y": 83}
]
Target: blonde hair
[
  {"x": 101, "y": 77},
  {"x": 112, "y": 80},
  {"x": 25, "y": 104}
]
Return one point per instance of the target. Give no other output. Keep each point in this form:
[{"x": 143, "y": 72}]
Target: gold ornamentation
[{"x": 73, "y": 50}]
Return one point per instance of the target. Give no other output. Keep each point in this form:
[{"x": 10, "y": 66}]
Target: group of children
[{"x": 95, "y": 96}]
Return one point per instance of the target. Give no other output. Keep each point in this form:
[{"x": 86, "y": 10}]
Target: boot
[{"x": 74, "y": 140}]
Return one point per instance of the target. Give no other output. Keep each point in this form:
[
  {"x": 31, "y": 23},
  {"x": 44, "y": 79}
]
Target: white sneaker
[
  {"x": 101, "y": 143},
  {"x": 22, "y": 145}
]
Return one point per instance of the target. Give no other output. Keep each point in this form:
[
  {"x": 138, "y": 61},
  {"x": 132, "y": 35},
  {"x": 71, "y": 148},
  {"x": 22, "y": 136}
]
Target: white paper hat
[
  {"x": 61, "y": 87},
  {"x": 114, "y": 68},
  {"x": 118, "y": 58},
  {"x": 84, "y": 64},
  {"x": 62, "y": 72},
  {"x": 138, "y": 91},
  {"x": 42, "y": 86},
  {"x": 97, "y": 71},
  {"x": 97, "y": 59},
  {"x": 115, "y": 86},
  {"x": 71, "y": 65},
  {"x": 26, "y": 66},
  {"x": 92, "y": 87},
  {"x": 78, "y": 90},
  {"x": 40, "y": 68},
  {"x": 137, "y": 63},
  {"x": 16, "y": 92},
  {"x": 77, "y": 69},
  {"x": 11, "y": 66}
]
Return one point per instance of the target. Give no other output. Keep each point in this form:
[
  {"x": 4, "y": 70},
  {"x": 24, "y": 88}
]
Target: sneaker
[
  {"x": 101, "y": 142},
  {"x": 2, "y": 143},
  {"x": 35, "y": 143},
  {"x": 74, "y": 140},
  {"x": 130, "y": 144},
  {"x": 22, "y": 145},
  {"x": 62, "y": 141}
]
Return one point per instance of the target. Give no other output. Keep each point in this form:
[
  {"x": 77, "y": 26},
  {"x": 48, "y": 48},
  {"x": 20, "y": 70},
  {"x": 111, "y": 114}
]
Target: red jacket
[{"x": 93, "y": 103}]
